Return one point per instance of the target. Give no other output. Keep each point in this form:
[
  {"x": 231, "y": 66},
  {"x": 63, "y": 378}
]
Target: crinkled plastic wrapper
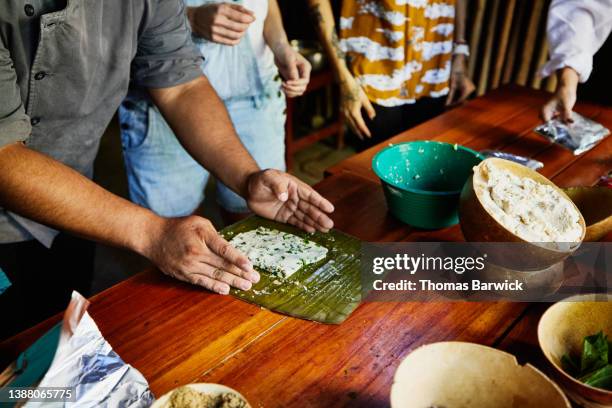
[
  {"x": 579, "y": 136},
  {"x": 84, "y": 360}
]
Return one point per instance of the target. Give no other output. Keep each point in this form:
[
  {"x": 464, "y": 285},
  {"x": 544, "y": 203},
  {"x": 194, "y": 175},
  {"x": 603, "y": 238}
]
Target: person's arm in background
[
  {"x": 292, "y": 66},
  {"x": 352, "y": 97},
  {"x": 575, "y": 31},
  {"x": 460, "y": 86}
]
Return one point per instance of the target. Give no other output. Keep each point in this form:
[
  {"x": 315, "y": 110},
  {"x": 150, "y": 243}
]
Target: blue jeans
[{"x": 163, "y": 177}]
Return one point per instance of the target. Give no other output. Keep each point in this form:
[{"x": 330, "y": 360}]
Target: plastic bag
[
  {"x": 580, "y": 136},
  {"x": 84, "y": 362}
]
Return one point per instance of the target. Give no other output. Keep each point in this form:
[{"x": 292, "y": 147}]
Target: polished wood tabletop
[{"x": 177, "y": 334}]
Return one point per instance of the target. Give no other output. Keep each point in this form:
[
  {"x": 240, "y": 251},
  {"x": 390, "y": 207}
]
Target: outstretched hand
[{"x": 281, "y": 197}]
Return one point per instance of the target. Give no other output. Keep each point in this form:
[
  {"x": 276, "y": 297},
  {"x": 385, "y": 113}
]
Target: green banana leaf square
[{"x": 327, "y": 291}]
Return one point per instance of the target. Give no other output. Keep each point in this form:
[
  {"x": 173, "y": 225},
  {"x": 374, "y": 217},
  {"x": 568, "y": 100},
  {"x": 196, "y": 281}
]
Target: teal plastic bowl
[{"x": 422, "y": 180}]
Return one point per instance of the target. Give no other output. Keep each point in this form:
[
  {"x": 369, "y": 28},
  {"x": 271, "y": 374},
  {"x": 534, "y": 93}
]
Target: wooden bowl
[
  {"x": 205, "y": 388},
  {"x": 478, "y": 225},
  {"x": 468, "y": 375},
  {"x": 595, "y": 205},
  {"x": 562, "y": 330}
]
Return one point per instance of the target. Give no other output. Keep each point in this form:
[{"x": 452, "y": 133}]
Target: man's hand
[
  {"x": 461, "y": 86},
  {"x": 222, "y": 23},
  {"x": 191, "y": 250},
  {"x": 352, "y": 100},
  {"x": 564, "y": 99},
  {"x": 293, "y": 68},
  {"x": 281, "y": 197}
]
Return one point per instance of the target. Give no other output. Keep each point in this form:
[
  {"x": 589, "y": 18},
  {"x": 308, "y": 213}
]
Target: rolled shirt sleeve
[
  {"x": 166, "y": 55},
  {"x": 14, "y": 123},
  {"x": 576, "y": 29}
]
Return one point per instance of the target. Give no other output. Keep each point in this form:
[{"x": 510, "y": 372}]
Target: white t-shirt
[{"x": 263, "y": 53}]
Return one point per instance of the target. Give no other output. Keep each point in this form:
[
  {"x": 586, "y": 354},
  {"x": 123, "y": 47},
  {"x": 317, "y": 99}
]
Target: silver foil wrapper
[
  {"x": 85, "y": 361},
  {"x": 525, "y": 161},
  {"x": 580, "y": 136}
]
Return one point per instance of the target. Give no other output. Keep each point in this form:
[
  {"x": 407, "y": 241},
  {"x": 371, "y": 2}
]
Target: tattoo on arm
[
  {"x": 335, "y": 42},
  {"x": 351, "y": 94},
  {"x": 349, "y": 91},
  {"x": 315, "y": 13}
]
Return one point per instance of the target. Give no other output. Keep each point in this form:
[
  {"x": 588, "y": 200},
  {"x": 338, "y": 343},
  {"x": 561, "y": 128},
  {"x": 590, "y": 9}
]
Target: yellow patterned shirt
[{"x": 399, "y": 50}]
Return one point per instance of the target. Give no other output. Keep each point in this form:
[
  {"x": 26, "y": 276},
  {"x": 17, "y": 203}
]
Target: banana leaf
[{"x": 327, "y": 291}]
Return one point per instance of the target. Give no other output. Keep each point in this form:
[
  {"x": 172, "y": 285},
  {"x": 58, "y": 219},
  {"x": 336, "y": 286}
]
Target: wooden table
[{"x": 176, "y": 334}]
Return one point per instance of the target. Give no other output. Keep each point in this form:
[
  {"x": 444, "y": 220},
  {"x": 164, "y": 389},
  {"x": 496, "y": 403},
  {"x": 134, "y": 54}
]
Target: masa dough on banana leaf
[{"x": 278, "y": 252}]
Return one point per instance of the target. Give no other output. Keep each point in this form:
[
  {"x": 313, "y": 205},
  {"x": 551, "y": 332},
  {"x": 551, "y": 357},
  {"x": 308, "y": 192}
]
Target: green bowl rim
[{"x": 416, "y": 190}]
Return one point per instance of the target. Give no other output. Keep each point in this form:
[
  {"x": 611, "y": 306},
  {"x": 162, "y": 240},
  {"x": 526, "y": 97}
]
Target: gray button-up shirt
[{"x": 64, "y": 69}]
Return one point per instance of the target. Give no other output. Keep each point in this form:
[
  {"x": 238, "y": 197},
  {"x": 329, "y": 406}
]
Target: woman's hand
[
  {"x": 293, "y": 68},
  {"x": 461, "y": 86},
  {"x": 564, "y": 98},
  {"x": 222, "y": 23},
  {"x": 352, "y": 100}
]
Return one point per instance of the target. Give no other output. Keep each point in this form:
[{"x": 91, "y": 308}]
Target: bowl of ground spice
[{"x": 202, "y": 395}]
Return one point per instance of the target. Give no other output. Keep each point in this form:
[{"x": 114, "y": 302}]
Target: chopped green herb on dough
[{"x": 278, "y": 252}]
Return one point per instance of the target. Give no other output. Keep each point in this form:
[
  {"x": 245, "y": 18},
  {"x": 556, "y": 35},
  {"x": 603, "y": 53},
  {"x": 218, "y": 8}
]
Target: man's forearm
[
  {"x": 323, "y": 17},
  {"x": 42, "y": 189},
  {"x": 274, "y": 32},
  {"x": 202, "y": 125}
]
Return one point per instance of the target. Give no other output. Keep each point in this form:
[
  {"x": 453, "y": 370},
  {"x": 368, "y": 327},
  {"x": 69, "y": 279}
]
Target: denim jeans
[{"x": 162, "y": 176}]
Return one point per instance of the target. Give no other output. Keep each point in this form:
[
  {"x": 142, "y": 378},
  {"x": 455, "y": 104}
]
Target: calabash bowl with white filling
[{"x": 507, "y": 202}]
